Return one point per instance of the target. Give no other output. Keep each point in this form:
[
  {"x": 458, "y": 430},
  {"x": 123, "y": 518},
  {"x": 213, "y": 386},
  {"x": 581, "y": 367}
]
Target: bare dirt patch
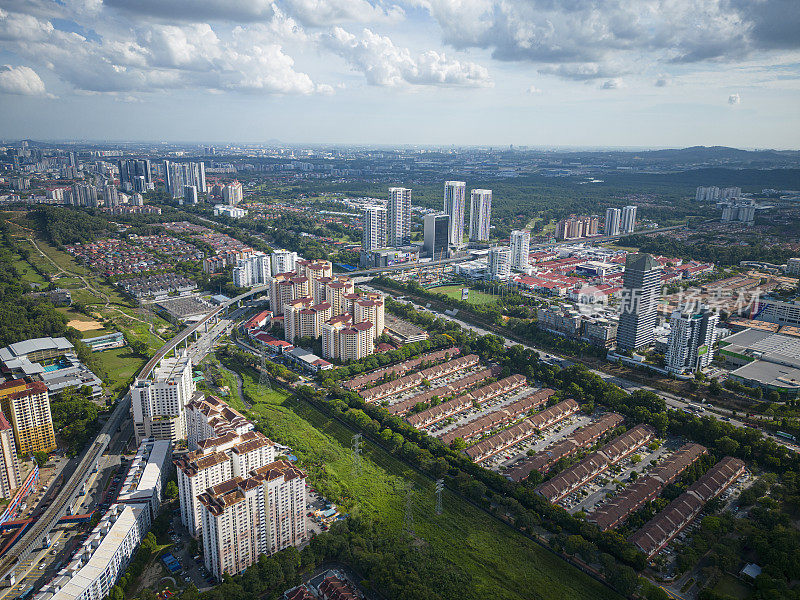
[{"x": 85, "y": 325}]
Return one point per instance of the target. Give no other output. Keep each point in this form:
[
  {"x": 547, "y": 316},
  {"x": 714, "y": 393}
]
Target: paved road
[
  {"x": 435, "y": 263},
  {"x": 671, "y": 400},
  {"x": 15, "y": 562}
]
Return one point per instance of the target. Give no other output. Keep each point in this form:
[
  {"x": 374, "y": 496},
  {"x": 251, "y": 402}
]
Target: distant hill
[{"x": 696, "y": 154}]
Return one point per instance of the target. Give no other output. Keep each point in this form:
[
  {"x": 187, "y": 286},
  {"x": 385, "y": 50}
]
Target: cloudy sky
[{"x": 651, "y": 73}]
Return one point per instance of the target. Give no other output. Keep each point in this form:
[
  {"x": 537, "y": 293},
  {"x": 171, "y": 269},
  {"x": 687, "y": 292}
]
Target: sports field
[{"x": 454, "y": 292}]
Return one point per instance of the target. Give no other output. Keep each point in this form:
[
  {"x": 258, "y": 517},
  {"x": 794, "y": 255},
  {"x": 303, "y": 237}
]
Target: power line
[
  {"x": 263, "y": 378},
  {"x": 357, "y": 455},
  {"x": 408, "y": 518}
]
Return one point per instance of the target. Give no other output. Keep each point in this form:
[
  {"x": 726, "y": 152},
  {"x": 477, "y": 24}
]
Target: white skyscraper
[
  {"x": 179, "y": 175},
  {"x": 499, "y": 261},
  {"x": 158, "y": 403},
  {"x": 253, "y": 270},
  {"x": 628, "y": 220},
  {"x": 398, "y": 217},
  {"x": 613, "y": 216},
  {"x": 243, "y": 518},
  {"x": 691, "y": 340},
  {"x": 283, "y": 261},
  {"x": 374, "y": 228},
  {"x": 480, "y": 215},
  {"x": 455, "y": 193},
  {"x": 520, "y": 248},
  {"x": 232, "y": 193}
]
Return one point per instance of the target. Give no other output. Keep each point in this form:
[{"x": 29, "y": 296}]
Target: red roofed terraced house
[
  {"x": 504, "y": 415},
  {"x": 366, "y": 379},
  {"x": 596, "y": 463},
  {"x": 522, "y": 430},
  {"x": 449, "y": 389},
  {"x": 407, "y": 382},
  {"x": 646, "y": 488},
  {"x": 661, "y": 529},
  {"x": 580, "y": 438},
  {"x": 333, "y": 588}
]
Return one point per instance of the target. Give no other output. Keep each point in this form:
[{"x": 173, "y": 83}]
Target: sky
[{"x": 552, "y": 73}]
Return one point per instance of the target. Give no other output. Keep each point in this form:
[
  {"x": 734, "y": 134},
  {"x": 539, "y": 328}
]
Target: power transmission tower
[
  {"x": 439, "y": 488},
  {"x": 357, "y": 455},
  {"x": 263, "y": 378},
  {"x": 408, "y": 518}
]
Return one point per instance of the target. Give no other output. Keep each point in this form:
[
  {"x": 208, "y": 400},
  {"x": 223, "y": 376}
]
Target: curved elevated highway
[
  {"x": 35, "y": 537},
  {"x": 533, "y": 247}
]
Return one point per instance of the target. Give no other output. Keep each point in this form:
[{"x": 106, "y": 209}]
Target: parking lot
[
  {"x": 537, "y": 443},
  {"x": 434, "y": 383},
  {"x": 595, "y": 491},
  {"x": 473, "y": 413}
]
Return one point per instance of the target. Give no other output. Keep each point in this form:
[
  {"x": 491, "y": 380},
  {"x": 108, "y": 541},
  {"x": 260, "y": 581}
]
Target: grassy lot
[
  {"x": 120, "y": 365},
  {"x": 503, "y": 563},
  {"x": 29, "y": 275},
  {"x": 454, "y": 292},
  {"x": 728, "y": 585}
]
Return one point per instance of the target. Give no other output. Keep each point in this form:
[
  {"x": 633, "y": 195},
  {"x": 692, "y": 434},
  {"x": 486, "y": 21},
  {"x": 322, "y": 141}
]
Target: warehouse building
[{"x": 770, "y": 361}]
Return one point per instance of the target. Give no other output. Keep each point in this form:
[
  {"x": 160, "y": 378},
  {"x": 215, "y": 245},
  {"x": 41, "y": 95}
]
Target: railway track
[{"x": 35, "y": 536}]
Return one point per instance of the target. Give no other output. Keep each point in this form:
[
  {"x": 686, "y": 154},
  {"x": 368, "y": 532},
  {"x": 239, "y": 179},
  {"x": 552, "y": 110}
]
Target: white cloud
[
  {"x": 152, "y": 57},
  {"x": 22, "y": 81},
  {"x": 193, "y": 11},
  {"x": 612, "y": 84},
  {"x": 19, "y": 27},
  {"x": 333, "y": 12},
  {"x": 533, "y": 90},
  {"x": 633, "y": 34},
  {"x": 581, "y": 71},
  {"x": 385, "y": 64},
  {"x": 734, "y": 99}
]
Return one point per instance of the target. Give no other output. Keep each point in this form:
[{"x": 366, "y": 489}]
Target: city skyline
[{"x": 620, "y": 74}]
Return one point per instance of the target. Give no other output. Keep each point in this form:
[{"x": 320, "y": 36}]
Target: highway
[
  {"x": 533, "y": 247},
  {"x": 34, "y": 538},
  {"x": 671, "y": 400}
]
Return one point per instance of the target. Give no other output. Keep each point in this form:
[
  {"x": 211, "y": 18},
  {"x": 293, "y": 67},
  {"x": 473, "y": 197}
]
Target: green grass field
[
  {"x": 454, "y": 292},
  {"x": 503, "y": 563},
  {"x": 120, "y": 365},
  {"x": 728, "y": 585},
  {"x": 29, "y": 275}
]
